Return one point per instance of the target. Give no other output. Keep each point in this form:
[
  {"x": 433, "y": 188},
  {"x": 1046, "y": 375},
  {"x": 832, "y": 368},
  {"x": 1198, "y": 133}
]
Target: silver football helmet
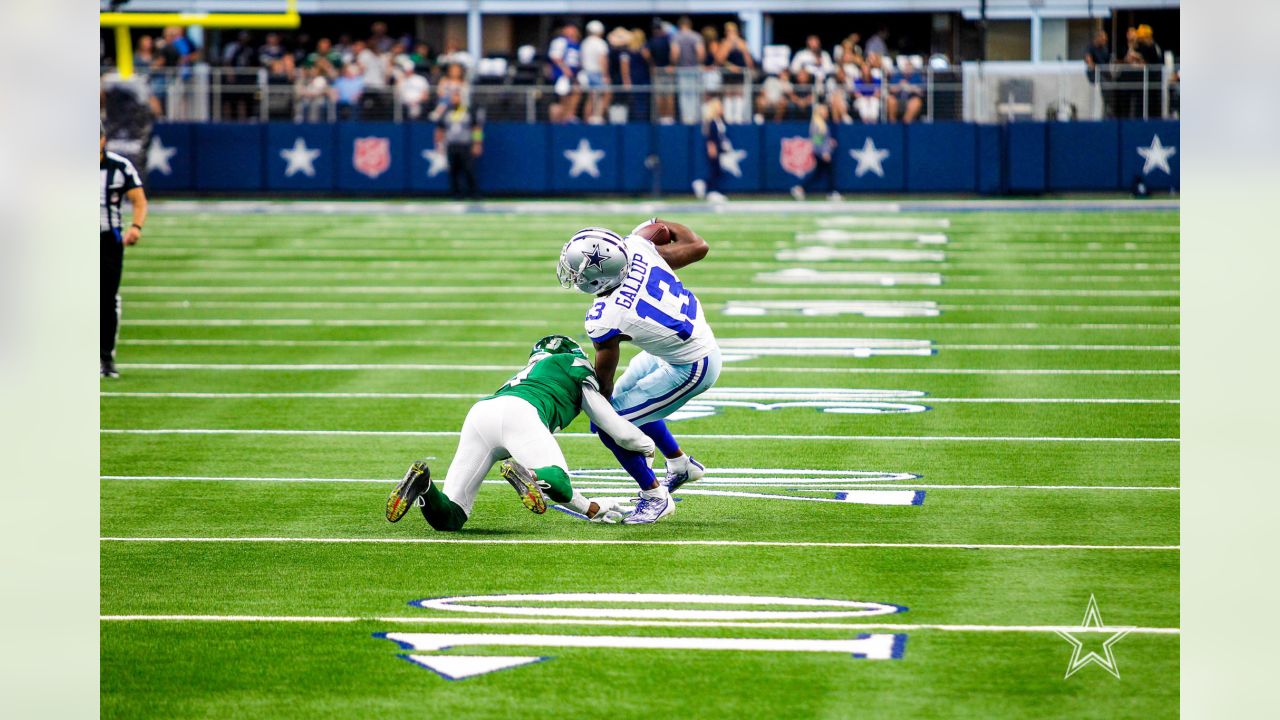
[{"x": 594, "y": 261}]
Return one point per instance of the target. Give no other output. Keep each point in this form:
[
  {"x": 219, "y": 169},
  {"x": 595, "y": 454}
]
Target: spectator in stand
[
  {"x": 619, "y": 65},
  {"x": 179, "y": 51},
  {"x": 461, "y": 131},
  {"x": 325, "y": 59},
  {"x": 736, "y": 62},
  {"x": 455, "y": 54},
  {"x": 454, "y": 80},
  {"x": 145, "y": 59},
  {"x": 374, "y": 71},
  {"x": 1097, "y": 60},
  {"x": 239, "y": 82},
  {"x": 878, "y": 44},
  {"x": 837, "y": 91},
  {"x": 144, "y": 54},
  {"x": 412, "y": 90},
  {"x": 715, "y": 141},
  {"x": 849, "y": 53},
  {"x": 565, "y": 55},
  {"x": 868, "y": 97},
  {"x": 824, "y": 147},
  {"x": 348, "y": 92},
  {"x": 907, "y": 95},
  {"x": 311, "y": 93},
  {"x": 239, "y": 53},
  {"x": 712, "y": 76},
  {"x": 280, "y": 90},
  {"x": 379, "y": 41},
  {"x": 595, "y": 72},
  {"x": 803, "y": 96},
  {"x": 421, "y": 57},
  {"x": 638, "y": 74},
  {"x": 773, "y": 97},
  {"x": 272, "y": 50},
  {"x": 659, "y": 54},
  {"x": 1149, "y": 54},
  {"x": 813, "y": 59},
  {"x": 687, "y": 54}
]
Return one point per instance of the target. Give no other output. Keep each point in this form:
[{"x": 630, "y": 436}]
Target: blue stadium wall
[{"x": 524, "y": 159}]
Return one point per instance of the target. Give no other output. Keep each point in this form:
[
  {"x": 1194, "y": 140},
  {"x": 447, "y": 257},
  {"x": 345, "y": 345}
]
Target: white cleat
[
  {"x": 683, "y": 469},
  {"x": 654, "y": 505}
]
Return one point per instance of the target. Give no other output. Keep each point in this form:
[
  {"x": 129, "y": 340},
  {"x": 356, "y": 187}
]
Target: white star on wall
[
  {"x": 1156, "y": 156},
  {"x": 158, "y": 156},
  {"x": 584, "y": 159},
  {"x": 870, "y": 159},
  {"x": 437, "y": 160},
  {"x": 300, "y": 159},
  {"x": 731, "y": 159}
]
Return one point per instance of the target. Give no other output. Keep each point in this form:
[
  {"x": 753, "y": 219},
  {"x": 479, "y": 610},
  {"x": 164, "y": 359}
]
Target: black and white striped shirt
[{"x": 118, "y": 177}]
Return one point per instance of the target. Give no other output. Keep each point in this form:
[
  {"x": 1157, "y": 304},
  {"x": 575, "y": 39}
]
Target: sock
[
  {"x": 636, "y": 464},
  {"x": 655, "y": 492},
  {"x": 579, "y": 503},
  {"x": 560, "y": 490},
  {"x": 661, "y": 436},
  {"x": 442, "y": 513}
]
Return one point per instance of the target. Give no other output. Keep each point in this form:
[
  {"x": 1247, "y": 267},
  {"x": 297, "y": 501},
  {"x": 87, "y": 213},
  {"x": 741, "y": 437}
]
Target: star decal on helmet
[{"x": 595, "y": 258}]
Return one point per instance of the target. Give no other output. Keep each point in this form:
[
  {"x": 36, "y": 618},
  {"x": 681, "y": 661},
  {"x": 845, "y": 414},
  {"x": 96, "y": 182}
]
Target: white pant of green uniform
[{"x": 496, "y": 429}]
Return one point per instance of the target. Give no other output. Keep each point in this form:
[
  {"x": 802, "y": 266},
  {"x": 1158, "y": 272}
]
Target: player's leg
[
  {"x": 449, "y": 509},
  {"x": 536, "y": 458},
  {"x": 673, "y": 389},
  {"x": 624, "y": 391}
]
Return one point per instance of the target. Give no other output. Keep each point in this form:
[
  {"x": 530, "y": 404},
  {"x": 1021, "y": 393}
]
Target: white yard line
[
  {"x": 426, "y": 367},
  {"x": 476, "y": 396},
  {"x": 905, "y": 627},
  {"x": 274, "y": 342},
  {"x": 708, "y": 482},
  {"x": 588, "y": 541},
  {"x": 498, "y": 288},
  {"x": 692, "y": 436}
]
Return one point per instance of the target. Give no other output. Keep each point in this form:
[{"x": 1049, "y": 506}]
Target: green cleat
[
  {"x": 415, "y": 483},
  {"x": 526, "y": 485}
]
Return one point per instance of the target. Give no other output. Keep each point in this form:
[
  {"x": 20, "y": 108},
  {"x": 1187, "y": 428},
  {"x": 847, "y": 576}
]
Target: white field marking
[
  {"x": 825, "y": 254},
  {"x": 740, "y": 349},
  {"x": 600, "y": 541},
  {"x": 703, "y": 436},
  {"x": 509, "y": 368},
  {"x": 809, "y": 276},
  {"x": 896, "y": 497},
  {"x": 331, "y": 305},
  {"x": 817, "y": 394},
  {"x": 905, "y": 627},
  {"x": 735, "y": 349},
  {"x": 874, "y": 647},
  {"x": 650, "y": 606},
  {"x": 543, "y": 290},
  {"x": 840, "y": 236},
  {"x": 829, "y": 308},
  {"x": 874, "y": 221},
  {"x": 1127, "y": 327},
  {"x": 843, "y": 401},
  {"x": 801, "y": 483}
]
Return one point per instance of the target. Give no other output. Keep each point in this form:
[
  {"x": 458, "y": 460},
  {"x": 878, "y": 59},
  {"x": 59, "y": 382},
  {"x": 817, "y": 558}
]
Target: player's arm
[
  {"x": 608, "y": 353},
  {"x": 138, "y": 199},
  {"x": 601, "y": 412},
  {"x": 686, "y": 247}
]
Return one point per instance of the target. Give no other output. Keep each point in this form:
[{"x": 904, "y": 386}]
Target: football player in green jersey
[{"x": 515, "y": 424}]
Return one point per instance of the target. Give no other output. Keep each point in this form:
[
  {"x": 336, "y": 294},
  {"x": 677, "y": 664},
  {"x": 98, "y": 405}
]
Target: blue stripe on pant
[{"x": 651, "y": 389}]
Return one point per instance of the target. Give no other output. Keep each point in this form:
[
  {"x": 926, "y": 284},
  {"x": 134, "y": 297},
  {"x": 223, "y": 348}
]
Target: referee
[{"x": 118, "y": 179}]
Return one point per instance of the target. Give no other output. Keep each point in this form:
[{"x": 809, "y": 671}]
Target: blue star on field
[{"x": 595, "y": 258}]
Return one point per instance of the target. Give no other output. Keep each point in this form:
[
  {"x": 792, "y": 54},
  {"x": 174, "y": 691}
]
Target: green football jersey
[{"x": 553, "y": 385}]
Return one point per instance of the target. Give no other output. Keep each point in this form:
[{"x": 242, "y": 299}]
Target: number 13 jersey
[{"x": 652, "y": 308}]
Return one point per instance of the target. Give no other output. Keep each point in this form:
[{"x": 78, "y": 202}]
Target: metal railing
[{"x": 979, "y": 92}]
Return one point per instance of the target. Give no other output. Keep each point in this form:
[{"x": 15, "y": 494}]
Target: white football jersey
[{"x": 653, "y": 308}]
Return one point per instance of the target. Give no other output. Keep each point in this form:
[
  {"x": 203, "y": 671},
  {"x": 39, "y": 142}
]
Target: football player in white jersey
[{"x": 639, "y": 298}]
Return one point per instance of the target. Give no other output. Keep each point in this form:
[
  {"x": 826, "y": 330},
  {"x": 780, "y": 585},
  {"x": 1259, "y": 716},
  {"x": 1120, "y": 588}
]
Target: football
[{"x": 656, "y": 233}]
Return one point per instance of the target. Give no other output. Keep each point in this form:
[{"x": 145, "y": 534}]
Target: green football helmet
[{"x": 557, "y": 345}]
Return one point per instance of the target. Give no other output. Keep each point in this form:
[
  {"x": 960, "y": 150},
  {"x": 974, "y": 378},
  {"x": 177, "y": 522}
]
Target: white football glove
[{"x": 611, "y": 512}]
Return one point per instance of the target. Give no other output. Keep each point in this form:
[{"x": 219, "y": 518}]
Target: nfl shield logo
[
  {"x": 372, "y": 156},
  {"x": 797, "y": 156}
]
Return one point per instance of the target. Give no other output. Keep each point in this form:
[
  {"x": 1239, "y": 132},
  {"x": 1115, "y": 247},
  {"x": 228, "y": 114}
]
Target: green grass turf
[{"x": 1090, "y": 300}]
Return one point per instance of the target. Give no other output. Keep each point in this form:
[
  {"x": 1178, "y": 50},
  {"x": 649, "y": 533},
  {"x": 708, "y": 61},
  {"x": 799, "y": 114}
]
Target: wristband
[{"x": 137, "y": 226}]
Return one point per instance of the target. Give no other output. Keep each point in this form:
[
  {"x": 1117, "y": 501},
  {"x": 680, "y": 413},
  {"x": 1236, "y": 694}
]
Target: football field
[{"x": 936, "y": 436}]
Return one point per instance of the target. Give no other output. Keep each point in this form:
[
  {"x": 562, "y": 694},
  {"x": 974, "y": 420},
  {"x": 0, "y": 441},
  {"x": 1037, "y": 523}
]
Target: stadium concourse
[{"x": 944, "y": 429}]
